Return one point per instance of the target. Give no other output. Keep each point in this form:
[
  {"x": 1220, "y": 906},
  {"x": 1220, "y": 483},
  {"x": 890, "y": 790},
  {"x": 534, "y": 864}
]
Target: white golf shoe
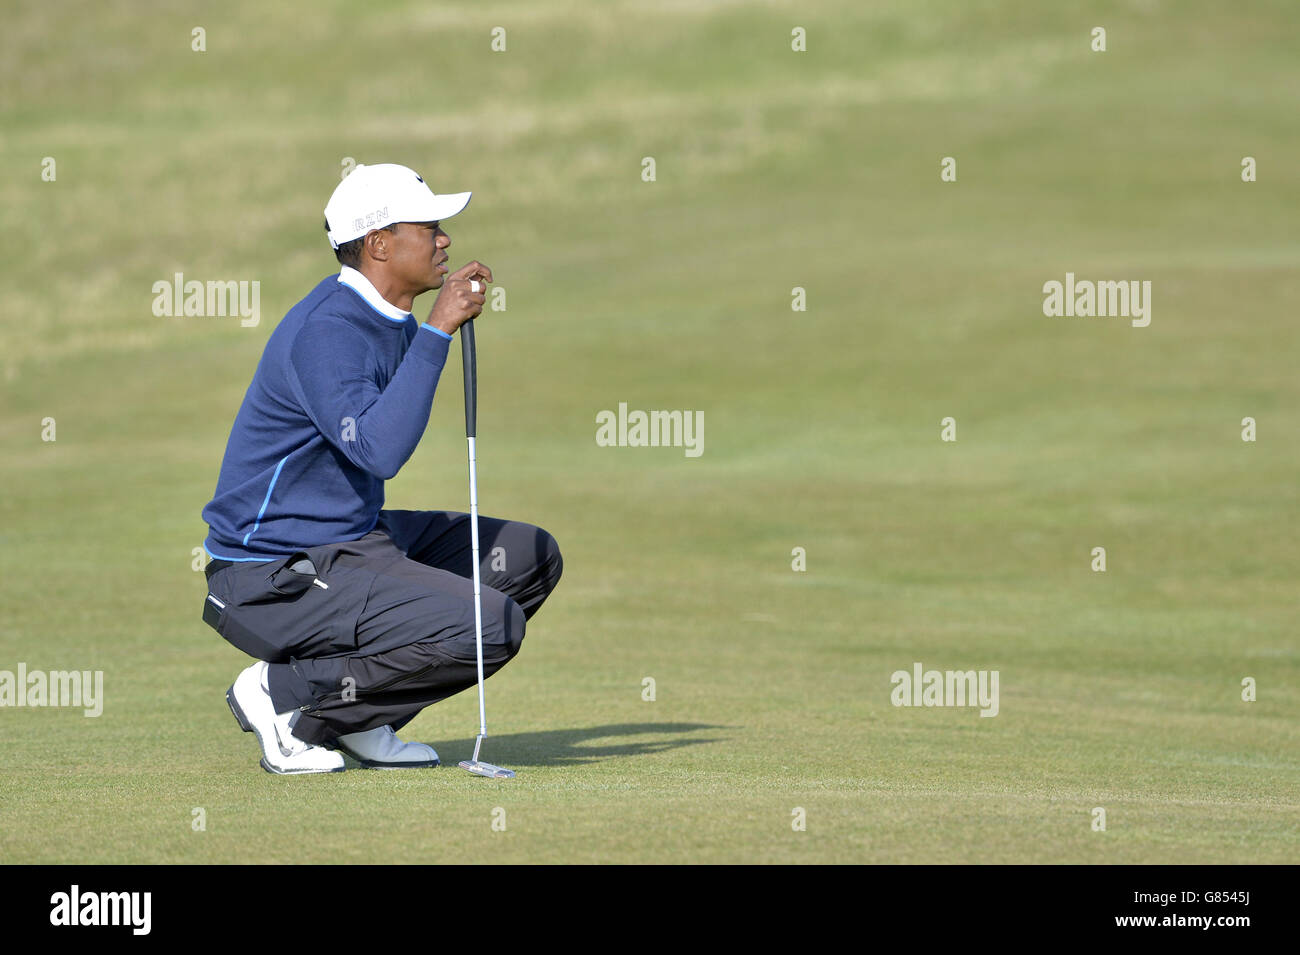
[
  {"x": 282, "y": 752},
  {"x": 380, "y": 748}
]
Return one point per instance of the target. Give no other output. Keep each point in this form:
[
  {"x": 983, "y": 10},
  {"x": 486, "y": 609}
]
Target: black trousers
[{"x": 371, "y": 631}]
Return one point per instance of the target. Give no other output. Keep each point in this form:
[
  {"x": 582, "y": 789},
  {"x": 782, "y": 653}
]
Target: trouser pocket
[
  {"x": 298, "y": 606},
  {"x": 233, "y": 622},
  {"x": 295, "y": 576}
]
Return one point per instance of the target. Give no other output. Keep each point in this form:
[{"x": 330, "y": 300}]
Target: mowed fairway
[{"x": 774, "y": 169}]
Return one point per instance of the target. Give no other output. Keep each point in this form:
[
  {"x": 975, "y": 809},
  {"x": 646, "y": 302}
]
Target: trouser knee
[
  {"x": 553, "y": 565},
  {"x": 546, "y": 564},
  {"x": 513, "y": 624},
  {"x": 503, "y": 633}
]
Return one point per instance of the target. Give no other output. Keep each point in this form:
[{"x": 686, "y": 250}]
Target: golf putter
[{"x": 470, "y": 365}]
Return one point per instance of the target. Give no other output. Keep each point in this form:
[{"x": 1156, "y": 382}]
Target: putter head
[{"x": 479, "y": 768}]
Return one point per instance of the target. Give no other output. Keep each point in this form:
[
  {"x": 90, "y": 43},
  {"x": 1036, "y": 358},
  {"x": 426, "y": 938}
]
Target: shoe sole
[
  {"x": 375, "y": 764},
  {"x": 371, "y": 764},
  {"x": 247, "y": 727}
]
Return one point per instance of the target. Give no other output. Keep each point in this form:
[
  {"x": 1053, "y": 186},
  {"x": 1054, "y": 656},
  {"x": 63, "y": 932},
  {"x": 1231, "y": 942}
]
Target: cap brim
[{"x": 446, "y": 206}]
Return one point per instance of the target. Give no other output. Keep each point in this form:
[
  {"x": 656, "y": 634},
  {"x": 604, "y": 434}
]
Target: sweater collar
[{"x": 354, "y": 280}]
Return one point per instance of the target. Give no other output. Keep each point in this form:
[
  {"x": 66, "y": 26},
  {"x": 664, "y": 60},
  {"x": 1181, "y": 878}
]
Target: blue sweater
[{"x": 339, "y": 401}]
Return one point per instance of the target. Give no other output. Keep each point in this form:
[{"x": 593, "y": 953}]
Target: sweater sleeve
[{"x": 333, "y": 376}]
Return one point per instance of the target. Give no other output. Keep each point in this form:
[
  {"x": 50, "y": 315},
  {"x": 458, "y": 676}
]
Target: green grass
[{"x": 774, "y": 170}]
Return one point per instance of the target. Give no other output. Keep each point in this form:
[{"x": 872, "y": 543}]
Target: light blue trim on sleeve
[{"x": 436, "y": 331}]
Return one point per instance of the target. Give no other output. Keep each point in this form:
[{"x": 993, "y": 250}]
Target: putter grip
[{"x": 469, "y": 364}]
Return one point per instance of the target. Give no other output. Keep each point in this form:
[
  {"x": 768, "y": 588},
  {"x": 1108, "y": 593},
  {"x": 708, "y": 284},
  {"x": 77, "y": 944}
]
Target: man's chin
[{"x": 435, "y": 283}]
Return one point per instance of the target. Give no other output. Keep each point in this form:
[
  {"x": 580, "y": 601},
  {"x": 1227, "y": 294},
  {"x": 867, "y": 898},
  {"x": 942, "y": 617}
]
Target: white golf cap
[{"x": 371, "y": 197}]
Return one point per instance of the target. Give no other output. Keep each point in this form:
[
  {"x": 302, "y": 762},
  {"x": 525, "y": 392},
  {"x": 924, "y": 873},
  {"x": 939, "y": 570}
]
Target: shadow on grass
[{"x": 574, "y": 747}]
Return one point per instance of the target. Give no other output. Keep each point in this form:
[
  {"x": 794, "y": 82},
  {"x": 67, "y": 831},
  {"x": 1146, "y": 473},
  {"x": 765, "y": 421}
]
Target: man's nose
[{"x": 442, "y": 239}]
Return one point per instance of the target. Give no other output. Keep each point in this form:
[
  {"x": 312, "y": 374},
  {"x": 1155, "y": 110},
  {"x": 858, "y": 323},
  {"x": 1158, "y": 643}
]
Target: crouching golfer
[{"x": 359, "y": 617}]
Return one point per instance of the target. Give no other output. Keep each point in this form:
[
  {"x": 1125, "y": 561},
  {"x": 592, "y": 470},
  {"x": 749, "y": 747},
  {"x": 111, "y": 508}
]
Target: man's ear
[{"x": 378, "y": 244}]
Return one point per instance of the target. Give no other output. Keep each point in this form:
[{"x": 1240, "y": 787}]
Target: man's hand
[{"x": 457, "y": 303}]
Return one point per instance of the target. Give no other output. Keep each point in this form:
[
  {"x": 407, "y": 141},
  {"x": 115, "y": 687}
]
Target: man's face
[{"x": 418, "y": 255}]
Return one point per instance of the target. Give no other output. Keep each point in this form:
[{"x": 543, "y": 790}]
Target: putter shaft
[{"x": 470, "y": 363}]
